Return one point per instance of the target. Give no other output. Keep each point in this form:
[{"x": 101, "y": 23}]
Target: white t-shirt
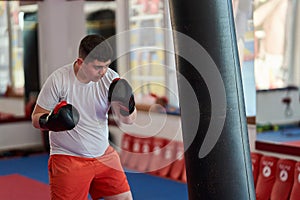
[{"x": 89, "y": 138}]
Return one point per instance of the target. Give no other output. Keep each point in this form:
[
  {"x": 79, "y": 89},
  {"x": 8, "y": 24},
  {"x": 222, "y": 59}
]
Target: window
[
  {"x": 11, "y": 48},
  {"x": 272, "y": 20},
  {"x": 151, "y": 69}
]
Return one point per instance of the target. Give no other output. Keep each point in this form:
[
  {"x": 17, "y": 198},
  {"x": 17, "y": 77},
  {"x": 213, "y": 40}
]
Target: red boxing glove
[{"x": 63, "y": 117}]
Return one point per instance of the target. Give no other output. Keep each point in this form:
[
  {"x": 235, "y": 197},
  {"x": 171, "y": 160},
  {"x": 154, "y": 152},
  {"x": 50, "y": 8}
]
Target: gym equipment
[
  {"x": 217, "y": 152},
  {"x": 63, "y": 117},
  {"x": 120, "y": 90}
]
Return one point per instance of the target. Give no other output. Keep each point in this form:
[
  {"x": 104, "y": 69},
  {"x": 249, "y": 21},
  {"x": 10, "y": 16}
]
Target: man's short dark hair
[{"x": 95, "y": 47}]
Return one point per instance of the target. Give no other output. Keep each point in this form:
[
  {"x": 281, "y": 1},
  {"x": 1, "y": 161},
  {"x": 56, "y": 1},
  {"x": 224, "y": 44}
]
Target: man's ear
[{"x": 79, "y": 61}]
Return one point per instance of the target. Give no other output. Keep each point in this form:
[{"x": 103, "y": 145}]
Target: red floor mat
[
  {"x": 15, "y": 187},
  {"x": 293, "y": 143}
]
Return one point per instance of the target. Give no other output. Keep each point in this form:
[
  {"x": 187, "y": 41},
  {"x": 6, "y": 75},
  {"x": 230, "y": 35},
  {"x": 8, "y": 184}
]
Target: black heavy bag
[
  {"x": 31, "y": 55},
  {"x": 103, "y": 22},
  {"x": 217, "y": 152}
]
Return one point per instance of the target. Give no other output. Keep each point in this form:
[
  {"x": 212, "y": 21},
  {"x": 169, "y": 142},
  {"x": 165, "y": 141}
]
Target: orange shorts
[{"x": 74, "y": 177}]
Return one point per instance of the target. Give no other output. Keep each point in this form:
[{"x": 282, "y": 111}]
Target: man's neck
[{"x": 79, "y": 74}]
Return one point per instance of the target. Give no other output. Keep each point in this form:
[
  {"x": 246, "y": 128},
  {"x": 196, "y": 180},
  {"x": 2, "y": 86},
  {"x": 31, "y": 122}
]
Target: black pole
[{"x": 217, "y": 152}]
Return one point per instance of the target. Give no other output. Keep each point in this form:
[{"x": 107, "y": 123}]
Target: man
[{"x": 73, "y": 105}]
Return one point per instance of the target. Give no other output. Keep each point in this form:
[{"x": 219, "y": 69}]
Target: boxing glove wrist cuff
[
  {"x": 131, "y": 104},
  {"x": 43, "y": 121},
  {"x": 131, "y": 107}
]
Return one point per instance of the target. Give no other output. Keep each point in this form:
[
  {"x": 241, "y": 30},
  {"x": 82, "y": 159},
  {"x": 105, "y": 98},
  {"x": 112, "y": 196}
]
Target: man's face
[{"x": 94, "y": 70}]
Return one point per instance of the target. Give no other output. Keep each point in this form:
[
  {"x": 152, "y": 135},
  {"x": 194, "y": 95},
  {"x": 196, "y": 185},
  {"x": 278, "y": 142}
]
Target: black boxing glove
[
  {"x": 121, "y": 91},
  {"x": 63, "y": 117}
]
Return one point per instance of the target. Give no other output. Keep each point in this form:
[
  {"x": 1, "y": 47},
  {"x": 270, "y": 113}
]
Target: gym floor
[
  {"x": 26, "y": 178},
  {"x": 284, "y": 141}
]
